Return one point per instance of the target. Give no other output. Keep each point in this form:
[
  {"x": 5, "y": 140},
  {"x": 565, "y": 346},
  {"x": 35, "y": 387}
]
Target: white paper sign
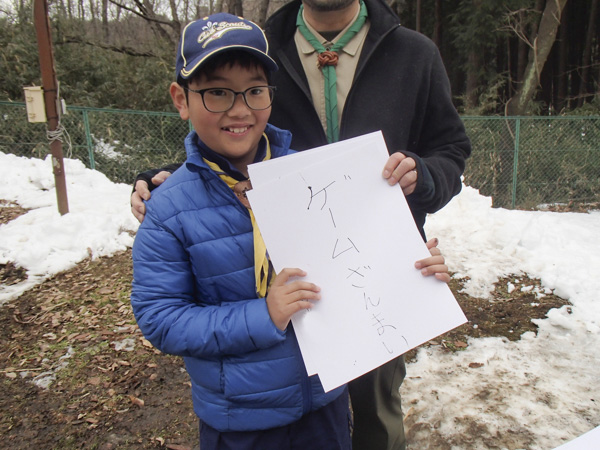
[
  {"x": 329, "y": 212},
  {"x": 587, "y": 441}
]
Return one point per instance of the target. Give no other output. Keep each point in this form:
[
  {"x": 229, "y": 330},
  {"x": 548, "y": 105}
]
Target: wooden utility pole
[{"x": 50, "y": 86}]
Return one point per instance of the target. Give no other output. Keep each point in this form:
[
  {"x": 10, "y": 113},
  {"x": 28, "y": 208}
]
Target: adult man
[{"x": 387, "y": 78}]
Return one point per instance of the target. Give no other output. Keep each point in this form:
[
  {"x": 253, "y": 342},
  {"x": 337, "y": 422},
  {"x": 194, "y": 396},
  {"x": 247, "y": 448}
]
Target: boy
[{"x": 203, "y": 288}]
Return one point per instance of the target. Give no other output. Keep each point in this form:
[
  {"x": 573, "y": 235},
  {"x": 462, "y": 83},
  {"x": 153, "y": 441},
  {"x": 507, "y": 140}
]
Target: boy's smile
[{"x": 235, "y": 133}]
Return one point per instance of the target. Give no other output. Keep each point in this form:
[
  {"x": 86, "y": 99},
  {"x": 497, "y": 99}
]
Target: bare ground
[{"x": 76, "y": 373}]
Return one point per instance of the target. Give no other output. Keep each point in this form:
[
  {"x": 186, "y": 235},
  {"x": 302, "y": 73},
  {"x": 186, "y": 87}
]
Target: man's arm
[
  {"x": 441, "y": 144},
  {"x": 429, "y": 169},
  {"x": 145, "y": 183}
]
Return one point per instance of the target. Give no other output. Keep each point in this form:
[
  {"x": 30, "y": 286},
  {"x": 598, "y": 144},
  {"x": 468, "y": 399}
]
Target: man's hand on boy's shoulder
[{"x": 141, "y": 192}]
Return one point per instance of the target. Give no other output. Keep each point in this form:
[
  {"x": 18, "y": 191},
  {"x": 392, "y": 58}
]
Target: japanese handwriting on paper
[{"x": 358, "y": 275}]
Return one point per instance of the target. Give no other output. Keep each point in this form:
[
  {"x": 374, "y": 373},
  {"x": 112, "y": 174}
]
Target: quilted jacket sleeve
[{"x": 174, "y": 320}]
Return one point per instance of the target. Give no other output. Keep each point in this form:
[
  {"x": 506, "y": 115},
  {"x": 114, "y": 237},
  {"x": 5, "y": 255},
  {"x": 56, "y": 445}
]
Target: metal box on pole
[{"x": 34, "y": 103}]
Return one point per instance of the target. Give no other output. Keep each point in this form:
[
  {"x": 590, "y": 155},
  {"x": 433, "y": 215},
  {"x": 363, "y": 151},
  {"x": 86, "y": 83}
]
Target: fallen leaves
[
  {"x": 475, "y": 365},
  {"x": 178, "y": 447},
  {"x": 94, "y": 381},
  {"x": 105, "y": 397},
  {"x": 136, "y": 401}
]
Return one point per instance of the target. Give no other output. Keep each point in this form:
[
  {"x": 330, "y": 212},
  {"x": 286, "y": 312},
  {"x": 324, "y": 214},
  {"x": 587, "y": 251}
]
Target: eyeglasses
[{"x": 222, "y": 99}]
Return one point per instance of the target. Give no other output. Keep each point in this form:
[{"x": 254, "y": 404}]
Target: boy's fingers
[
  {"x": 299, "y": 306},
  {"x": 283, "y": 277},
  {"x": 298, "y": 296},
  {"x": 303, "y": 286}
]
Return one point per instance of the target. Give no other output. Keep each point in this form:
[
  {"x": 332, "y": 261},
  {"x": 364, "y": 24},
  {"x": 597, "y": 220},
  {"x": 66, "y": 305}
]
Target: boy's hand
[
  {"x": 285, "y": 299},
  {"x": 402, "y": 169},
  {"x": 435, "y": 264},
  {"x": 142, "y": 193}
]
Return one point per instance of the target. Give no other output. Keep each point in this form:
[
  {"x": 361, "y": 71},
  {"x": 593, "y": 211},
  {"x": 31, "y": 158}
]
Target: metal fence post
[
  {"x": 515, "y": 162},
  {"x": 88, "y": 139}
]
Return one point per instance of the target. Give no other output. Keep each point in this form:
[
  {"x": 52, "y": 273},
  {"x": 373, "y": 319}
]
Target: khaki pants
[{"x": 377, "y": 410}]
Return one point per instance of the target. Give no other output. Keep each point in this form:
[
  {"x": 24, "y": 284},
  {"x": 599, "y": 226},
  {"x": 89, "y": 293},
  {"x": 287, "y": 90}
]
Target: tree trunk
[
  {"x": 186, "y": 9},
  {"x": 175, "y": 22},
  {"x": 472, "y": 83},
  {"x": 542, "y": 44},
  {"x": 563, "y": 57},
  {"x": 92, "y": 8},
  {"x": 146, "y": 11},
  {"x": 474, "y": 64},
  {"x": 587, "y": 54},
  {"x": 261, "y": 15},
  {"x": 521, "y": 54},
  {"x": 105, "y": 29},
  {"x": 239, "y": 8},
  {"x": 437, "y": 28},
  {"x": 418, "y": 17}
]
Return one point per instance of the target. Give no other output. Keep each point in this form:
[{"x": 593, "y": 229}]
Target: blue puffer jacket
[{"x": 194, "y": 295}]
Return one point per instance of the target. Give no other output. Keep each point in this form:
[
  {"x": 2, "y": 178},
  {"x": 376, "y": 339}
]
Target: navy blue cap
[{"x": 217, "y": 33}]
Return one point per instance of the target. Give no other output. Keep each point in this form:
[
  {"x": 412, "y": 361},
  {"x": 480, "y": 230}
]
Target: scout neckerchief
[
  {"x": 261, "y": 260},
  {"x": 327, "y": 60}
]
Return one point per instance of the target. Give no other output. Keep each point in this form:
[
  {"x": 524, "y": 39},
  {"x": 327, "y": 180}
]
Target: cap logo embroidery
[{"x": 213, "y": 31}]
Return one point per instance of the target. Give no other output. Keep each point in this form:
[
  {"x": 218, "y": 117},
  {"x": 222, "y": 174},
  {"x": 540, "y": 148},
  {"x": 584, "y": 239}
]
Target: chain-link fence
[
  {"x": 118, "y": 143},
  {"x": 518, "y": 161},
  {"x": 527, "y": 161}
]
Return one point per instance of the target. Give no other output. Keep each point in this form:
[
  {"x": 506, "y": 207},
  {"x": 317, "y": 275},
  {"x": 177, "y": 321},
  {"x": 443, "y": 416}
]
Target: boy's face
[{"x": 235, "y": 133}]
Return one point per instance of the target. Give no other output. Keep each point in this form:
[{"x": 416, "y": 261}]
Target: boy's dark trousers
[
  {"x": 378, "y": 419},
  {"x": 327, "y": 428}
]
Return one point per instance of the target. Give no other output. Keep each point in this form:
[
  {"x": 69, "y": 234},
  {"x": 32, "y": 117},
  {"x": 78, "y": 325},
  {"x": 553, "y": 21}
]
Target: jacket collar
[{"x": 278, "y": 139}]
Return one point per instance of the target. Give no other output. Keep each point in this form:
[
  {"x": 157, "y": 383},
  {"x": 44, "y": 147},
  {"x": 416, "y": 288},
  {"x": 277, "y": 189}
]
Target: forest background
[{"x": 511, "y": 57}]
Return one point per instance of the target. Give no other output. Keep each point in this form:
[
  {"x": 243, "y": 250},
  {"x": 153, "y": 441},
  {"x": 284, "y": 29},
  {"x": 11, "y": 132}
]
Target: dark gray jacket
[{"x": 400, "y": 87}]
